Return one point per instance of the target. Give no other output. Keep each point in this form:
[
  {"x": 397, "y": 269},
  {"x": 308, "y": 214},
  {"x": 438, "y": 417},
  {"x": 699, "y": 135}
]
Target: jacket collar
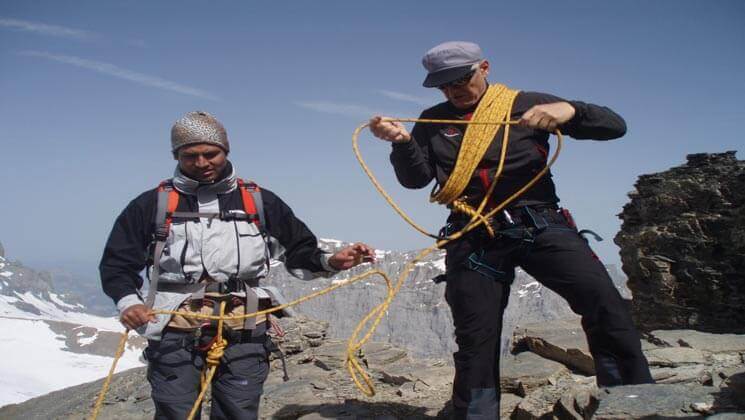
[{"x": 224, "y": 184}]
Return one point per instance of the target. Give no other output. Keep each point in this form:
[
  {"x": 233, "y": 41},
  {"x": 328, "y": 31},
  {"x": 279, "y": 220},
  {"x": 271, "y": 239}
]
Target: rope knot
[
  {"x": 463, "y": 207},
  {"x": 216, "y": 352}
]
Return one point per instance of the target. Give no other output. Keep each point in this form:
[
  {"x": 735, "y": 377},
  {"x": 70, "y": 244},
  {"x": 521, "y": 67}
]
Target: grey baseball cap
[{"x": 450, "y": 61}]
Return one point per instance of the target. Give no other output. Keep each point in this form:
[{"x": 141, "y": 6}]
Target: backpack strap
[
  {"x": 167, "y": 203},
  {"x": 253, "y": 204}
]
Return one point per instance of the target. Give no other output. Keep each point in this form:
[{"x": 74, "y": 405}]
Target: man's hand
[
  {"x": 392, "y": 131},
  {"x": 136, "y": 316},
  {"x": 548, "y": 116},
  {"x": 352, "y": 256}
]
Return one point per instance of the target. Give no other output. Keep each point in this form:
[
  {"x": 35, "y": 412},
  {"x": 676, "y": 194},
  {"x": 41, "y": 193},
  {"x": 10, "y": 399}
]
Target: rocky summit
[
  {"x": 695, "y": 379},
  {"x": 683, "y": 246}
]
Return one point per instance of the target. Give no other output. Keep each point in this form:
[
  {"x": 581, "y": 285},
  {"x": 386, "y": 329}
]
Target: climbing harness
[
  {"x": 166, "y": 212},
  {"x": 501, "y": 99}
]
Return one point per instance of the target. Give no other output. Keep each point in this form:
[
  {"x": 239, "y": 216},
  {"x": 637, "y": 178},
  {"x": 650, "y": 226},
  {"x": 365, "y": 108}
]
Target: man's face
[
  {"x": 202, "y": 162},
  {"x": 466, "y": 93}
]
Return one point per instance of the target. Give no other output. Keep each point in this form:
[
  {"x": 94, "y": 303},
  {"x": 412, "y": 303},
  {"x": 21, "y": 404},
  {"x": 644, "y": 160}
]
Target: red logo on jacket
[{"x": 451, "y": 132}]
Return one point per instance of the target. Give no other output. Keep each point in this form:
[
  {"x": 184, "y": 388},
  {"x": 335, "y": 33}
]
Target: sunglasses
[{"x": 458, "y": 82}]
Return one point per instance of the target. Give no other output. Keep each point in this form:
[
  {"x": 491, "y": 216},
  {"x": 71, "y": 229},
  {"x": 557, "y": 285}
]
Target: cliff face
[
  {"x": 683, "y": 245},
  {"x": 419, "y": 319}
]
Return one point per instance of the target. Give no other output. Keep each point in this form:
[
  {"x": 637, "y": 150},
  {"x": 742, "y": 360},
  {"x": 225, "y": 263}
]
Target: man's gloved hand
[
  {"x": 392, "y": 131},
  {"x": 136, "y": 316},
  {"x": 352, "y": 256},
  {"x": 548, "y": 116}
]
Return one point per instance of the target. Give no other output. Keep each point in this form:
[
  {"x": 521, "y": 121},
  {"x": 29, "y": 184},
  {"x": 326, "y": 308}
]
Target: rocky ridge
[
  {"x": 699, "y": 377},
  {"x": 683, "y": 246},
  {"x": 419, "y": 318}
]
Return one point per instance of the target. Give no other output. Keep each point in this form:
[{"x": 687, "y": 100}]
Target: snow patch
[
  {"x": 59, "y": 302},
  {"x": 6, "y": 273},
  {"x": 87, "y": 340},
  {"x": 381, "y": 254},
  {"x": 438, "y": 264},
  {"x": 35, "y": 362},
  {"x": 49, "y": 311}
]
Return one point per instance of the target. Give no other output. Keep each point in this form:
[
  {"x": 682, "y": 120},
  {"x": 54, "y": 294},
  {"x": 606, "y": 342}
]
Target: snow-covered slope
[{"x": 48, "y": 342}]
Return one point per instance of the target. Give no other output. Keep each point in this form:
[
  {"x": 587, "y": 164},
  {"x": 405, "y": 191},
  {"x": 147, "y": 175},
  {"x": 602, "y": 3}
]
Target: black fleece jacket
[{"x": 433, "y": 151}]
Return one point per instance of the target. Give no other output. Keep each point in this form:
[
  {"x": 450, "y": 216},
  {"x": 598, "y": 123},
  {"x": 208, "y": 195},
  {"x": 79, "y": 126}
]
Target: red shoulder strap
[
  {"x": 167, "y": 202},
  {"x": 249, "y": 190},
  {"x": 171, "y": 204}
]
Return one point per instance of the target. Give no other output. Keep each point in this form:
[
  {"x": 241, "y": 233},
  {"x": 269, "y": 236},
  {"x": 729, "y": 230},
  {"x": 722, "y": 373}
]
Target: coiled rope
[{"x": 359, "y": 375}]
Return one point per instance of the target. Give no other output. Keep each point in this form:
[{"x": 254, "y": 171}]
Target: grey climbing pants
[{"x": 174, "y": 368}]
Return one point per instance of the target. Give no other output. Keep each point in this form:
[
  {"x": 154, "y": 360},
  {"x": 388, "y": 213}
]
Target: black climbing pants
[
  {"x": 174, "y": 369},
  {"x": 547, "y": 246}
]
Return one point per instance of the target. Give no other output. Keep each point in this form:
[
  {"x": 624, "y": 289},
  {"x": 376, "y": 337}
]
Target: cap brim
[{"x": 445, "y": 76}]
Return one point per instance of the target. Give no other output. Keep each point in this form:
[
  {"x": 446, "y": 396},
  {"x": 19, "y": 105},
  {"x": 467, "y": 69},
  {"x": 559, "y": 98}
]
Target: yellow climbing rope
[
  {"x": 123, "y": 340},
  {"x": 214, "y": 354},
  {"x": 495, "y": 106},
  {"x": 357, "y": 372}
]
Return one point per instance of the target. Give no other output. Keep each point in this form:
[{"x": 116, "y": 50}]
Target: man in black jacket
[
  {"x": 533, "y": 232},
  {"x": 216, "y": 247}
]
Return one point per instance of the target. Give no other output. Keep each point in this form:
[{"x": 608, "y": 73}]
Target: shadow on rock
[
  {"x": 356, "y": 409},
  {"x": 731, "y": 396}
]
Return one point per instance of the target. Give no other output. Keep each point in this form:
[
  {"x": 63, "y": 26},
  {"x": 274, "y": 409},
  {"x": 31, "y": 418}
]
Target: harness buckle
[
  {"x": 508, "y": 217},
  {"x": 538, "y": 221},
  {"x": 161, "y": 233},
  {"x": 237, "y": 215}
]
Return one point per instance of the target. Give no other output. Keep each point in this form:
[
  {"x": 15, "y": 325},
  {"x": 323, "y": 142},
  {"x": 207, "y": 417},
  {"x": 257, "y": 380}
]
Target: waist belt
[
  {"x": 536, "y": 216},
  {"x": 198, "y": 291},
  {"x": 196, "y": 338},
  {"x": 530, "y": 216}
]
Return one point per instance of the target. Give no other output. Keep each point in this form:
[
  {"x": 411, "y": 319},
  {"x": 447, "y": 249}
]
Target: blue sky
[{"x": 89, "y": 90}]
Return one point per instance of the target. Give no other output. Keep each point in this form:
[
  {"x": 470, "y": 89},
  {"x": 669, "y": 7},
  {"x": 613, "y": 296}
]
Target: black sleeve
[
  {"x": 590, "y": 121},
  {"x": 300, "y": 244},
  {"x": 124, "y": 256},
  {"x": 411, "y": 159}
]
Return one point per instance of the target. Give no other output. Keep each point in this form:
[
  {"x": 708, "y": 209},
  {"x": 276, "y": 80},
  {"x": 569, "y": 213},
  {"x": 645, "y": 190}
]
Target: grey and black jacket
[{"x": 220, "y": 250}]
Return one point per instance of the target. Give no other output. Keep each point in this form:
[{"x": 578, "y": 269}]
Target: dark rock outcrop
[{"x": 683, "y": 246}]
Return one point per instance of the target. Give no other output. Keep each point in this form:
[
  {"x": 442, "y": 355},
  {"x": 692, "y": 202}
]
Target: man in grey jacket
[{"x": 211, "y": 250}]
